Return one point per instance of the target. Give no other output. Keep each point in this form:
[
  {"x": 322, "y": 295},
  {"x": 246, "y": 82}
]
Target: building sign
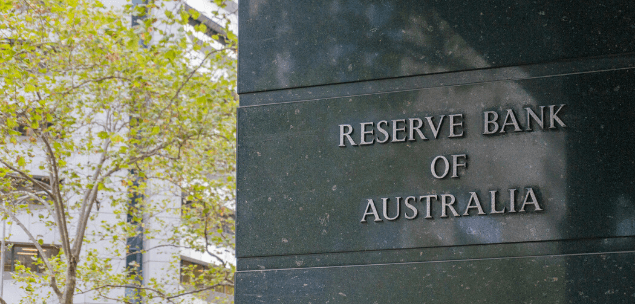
[
  {"x": 482, "y": 163},
  {"x": 543, "y": 118}
]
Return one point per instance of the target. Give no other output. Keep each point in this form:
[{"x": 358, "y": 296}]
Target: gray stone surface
[
  {"x": 307, "y": 68},
  {"x": 300, "y": 192},
  {"x": 591, "y": 278},
  {"x": 286, "y": 44}
]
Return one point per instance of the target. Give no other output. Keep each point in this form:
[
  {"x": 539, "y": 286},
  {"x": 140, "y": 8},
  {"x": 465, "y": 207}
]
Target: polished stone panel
[
  {"x": 307, "y": 69},
  {"x": 300, "y": 193},
  {"x": 592, "y": 278},
  {"x": 438, "y": 80},
  {"x": 288, "y": 44},
  {"x": 437, "y": 254}
]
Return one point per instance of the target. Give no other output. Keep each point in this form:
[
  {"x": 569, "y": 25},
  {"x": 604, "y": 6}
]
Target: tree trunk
[{"x": 71, "y": 280}]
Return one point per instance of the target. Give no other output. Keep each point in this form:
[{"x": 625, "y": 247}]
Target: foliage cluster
[{"x": 95, "y": 112}]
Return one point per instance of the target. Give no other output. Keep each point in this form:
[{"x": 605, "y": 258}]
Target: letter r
[{"x": 345, "y": 132}]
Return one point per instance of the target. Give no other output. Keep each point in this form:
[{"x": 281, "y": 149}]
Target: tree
[{"x": 95, "y": 113}]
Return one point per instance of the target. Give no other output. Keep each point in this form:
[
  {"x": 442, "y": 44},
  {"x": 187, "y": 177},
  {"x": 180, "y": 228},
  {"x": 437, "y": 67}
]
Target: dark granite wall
[
  {"x": 288, "y": 44},
  {"x": 307, "y": 67}
]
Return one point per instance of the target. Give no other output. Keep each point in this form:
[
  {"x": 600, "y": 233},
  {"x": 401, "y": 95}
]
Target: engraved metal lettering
[
  {"x": 451, "y": 203},
  {"x": 396, "y": 130},
  {"x": 445, "y": 205},
  {"x": 456, "y": 164},
  {"x": 346, "y": 134},
  {"x": 512, "y": 200},
  {"x": 487, "y": 122},
  {"x": 373, "y": 211},
  {"x": 365, "y": 132},
  {"x": 385, "y": 203},
  {"x": 553, "y": 117},
  {"x": 417, "y": 128},
  {"x": 411, "y": 207},
  {"x": 510, "y": 116},
  {"x": 477, "y": 205},
  {"x": 382, "y": 131},
  {"x": 428, "y": 203},
  {"x": 454, "y": 124},
  {"x": 534, "y": 201},
  {"x": 493, "y": 210},
  {"x": 435, "y": 131},
  {"x": 433, "y": 167},
  {"x": 532, "y": 115}
]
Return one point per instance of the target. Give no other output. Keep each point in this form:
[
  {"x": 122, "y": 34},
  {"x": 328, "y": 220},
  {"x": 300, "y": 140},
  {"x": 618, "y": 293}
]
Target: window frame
[{"x": 10, "y": 254}]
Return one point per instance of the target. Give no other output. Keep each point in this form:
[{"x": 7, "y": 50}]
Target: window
[
  {"x": 197, "y": 270},
  {"x": 21, "y": 184},
  {"x": 225, "y": 289},
  {"x": 213, "y": 28},
  {"x": 186, "y": 206},
  {"x": 26, "y": 254},
  {"x": 27, "y": 131}
]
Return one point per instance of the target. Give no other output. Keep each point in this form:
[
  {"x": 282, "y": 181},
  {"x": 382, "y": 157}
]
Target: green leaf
[
  {"x": 170, "y": 55},
  {"x": 195, "y": 14},
  {"x": 89, "y": 76},
  {"x": 232, "y": 36},
  {"x": 102, "y": 134},
  {"x": 201, "y": 28}
]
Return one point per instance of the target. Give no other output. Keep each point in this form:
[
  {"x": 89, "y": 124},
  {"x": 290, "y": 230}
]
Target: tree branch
[
  {"x": 35, "y": 197},
  {"x": 39, "y": 248},
  {"x": 89, "y": 199},
  {"x": 178, "y": 91},
  {"x": 199, "y": 290},
  {"x": 73, "y": 87},
  {"x": 160, "y": 293},
  {"x": 207, "y": 241},
  {"x": 60, "y": 212},
  {"x": 26, "y": 176}
]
